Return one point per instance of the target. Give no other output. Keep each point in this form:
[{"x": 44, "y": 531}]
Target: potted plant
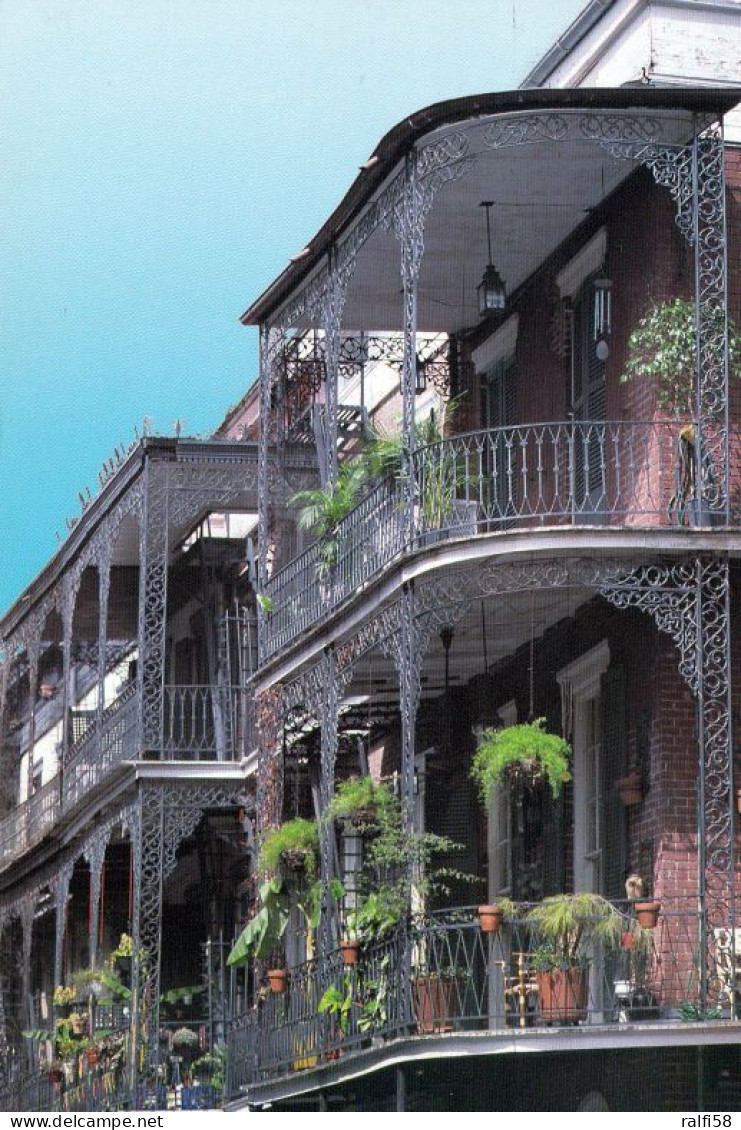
[
  {"x": 77, "y": 1023},
  {"x": 89, "y": 983},
  {"x": 64, "y": 998},
  {"x": 266, "y": 927},
  {"x": 633, "y": 998},
  {"x": 292, "y": 847},
  {"x": 663, "y": 348},
  {"x": 491, "y": 915},
  {"x": 322, "y": 510},
  {"x": 358, "y": 801},
  {"x": 647, "y": 913},
  {"x": 185, "y": 1043},
  {"x": 350, "y": 950},
  {"x": 522, "y": 753},
  {"x": 568, "y": 928},
  {"x": 122, "y": 957}
]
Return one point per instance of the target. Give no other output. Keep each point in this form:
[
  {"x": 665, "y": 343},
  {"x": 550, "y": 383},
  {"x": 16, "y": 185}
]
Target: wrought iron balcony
[
  {"x": 527, "y": 477},
  {"x": 445, "y": 975},
  {"x": 29, "y": 822},
  {"x": 200, "y": 723}
]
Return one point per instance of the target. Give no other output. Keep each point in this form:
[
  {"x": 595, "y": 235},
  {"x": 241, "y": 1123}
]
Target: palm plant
[{"x": 323, "y": 508}]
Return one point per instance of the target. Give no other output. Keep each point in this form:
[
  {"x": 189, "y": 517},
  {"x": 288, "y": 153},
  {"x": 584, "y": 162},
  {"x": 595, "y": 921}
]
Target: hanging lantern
[{"x": 491, "y": 292}]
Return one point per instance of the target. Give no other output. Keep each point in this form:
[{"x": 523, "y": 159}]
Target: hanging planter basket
[
  {"x": 294, "y": 861},
  {"x": 490, "y": 919},
  {"x": 647, "y": 913},
  {"x": 278, "y": 980}
]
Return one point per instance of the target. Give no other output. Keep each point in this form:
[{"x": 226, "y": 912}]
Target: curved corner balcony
[
  {"x": 442, "y": 978},
  {"x": 574, "y": 473}
]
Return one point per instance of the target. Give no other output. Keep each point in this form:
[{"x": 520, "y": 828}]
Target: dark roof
[{"x": 400, "y": 140}]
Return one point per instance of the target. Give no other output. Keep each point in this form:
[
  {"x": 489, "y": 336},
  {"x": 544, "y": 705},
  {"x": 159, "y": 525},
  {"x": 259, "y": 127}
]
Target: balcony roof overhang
[{"x": 545, "y": 191}]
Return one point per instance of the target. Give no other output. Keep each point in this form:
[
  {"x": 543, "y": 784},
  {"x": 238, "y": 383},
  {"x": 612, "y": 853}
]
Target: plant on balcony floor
[
  {"x": 522, "y": 753},
  {"x": 569, "y": 927},
  {"x": 323, "y": 508},
  {"x": 663, "y": 348}
]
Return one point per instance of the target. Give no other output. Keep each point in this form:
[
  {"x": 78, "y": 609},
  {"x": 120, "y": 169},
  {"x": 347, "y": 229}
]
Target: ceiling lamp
[{"x": 490, "y": 290}]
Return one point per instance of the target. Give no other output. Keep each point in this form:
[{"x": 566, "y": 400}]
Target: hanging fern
[{"x": 526, "y": 752}]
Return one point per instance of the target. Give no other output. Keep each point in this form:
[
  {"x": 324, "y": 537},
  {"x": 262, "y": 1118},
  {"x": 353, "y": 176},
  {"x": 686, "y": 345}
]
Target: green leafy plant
[
  {"x": 210, "y": 1068},
  {"x": 182, "y": 994},
  {"x": 524, "y": 752},
  {"x": 298, "y": 839},
  {"x": 64, "y": 996},
  {"x": 663, "y": 347},
  {"x": 338, "y": 1003},
  {"x": 692, "y": 1013},
  {"x": 568, "y": 925},
  {"x": 125, "y": 947},
  {"x": 390, "y": 859},
  {"x": 323, "y": 508},
  {"x": 359, "y": 800},
  {"x": 265, "y": 602},
  {"x": 266, "y": 928}
]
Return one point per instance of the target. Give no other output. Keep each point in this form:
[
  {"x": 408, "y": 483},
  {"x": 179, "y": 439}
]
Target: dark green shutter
[{"x": 613, "y": 764}]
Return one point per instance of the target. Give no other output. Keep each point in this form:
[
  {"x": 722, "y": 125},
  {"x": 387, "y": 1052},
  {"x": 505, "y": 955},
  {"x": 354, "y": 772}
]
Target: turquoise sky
[{"x": 160, "y": 163}]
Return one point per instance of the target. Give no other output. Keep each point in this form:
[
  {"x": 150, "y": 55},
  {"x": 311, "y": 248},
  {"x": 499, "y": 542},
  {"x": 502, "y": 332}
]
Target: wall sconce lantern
[
  {"x": 491, "y": 292},
  {"x": 420, "y": 376}
]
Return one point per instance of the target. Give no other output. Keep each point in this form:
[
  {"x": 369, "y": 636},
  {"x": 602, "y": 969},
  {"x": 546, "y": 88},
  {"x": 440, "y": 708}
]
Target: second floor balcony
[{"x": 521, "y": 479}]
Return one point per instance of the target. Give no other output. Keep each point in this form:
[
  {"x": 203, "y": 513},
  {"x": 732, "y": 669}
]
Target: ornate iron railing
[
  {"x": 322, "y": 576},
  {"x": 532, "y": 476},
  {"x": 205, "y": 723},
  {"x": 29, "y": 822},
  {"x": 444, "y": 974},
  {"x": 90, "y": 759}
]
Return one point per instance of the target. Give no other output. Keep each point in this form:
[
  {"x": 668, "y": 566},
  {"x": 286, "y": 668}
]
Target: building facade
[{"x": 542, "y": 522}]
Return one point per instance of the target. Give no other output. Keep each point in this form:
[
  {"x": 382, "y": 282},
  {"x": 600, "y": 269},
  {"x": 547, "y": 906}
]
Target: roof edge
[{"x": 401, "y": 139}]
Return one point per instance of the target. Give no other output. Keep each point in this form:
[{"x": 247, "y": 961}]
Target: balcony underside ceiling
[{"x": 542, "y": 190}]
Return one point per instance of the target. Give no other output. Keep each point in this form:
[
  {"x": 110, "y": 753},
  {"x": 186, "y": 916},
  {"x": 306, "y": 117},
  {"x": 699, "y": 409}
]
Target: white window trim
[
  {"x": 580, "y": 683},
  {"x": 572, "y": 277},
  {"x": 495, "y": 834},
  {"x": 499, "y": 346}
]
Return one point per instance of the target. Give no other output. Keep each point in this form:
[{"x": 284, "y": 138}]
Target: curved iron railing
[
  {"x": 576, "y": 473},
  {"x": 444, "y": 974}
]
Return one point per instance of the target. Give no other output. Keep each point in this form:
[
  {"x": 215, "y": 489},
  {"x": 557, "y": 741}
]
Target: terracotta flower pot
[
  {"x": 563, "y": 994},
  {"x": 278, "y": 980},
  {"x": 92, "y": 1056},
  {"x": 490, "y": 919},
  {"x": 350, "y": 952},
  {"x": 630, "y": 790},
  {"x": 647, "y": 912},
  {"x": 434, "y": 1003}
]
